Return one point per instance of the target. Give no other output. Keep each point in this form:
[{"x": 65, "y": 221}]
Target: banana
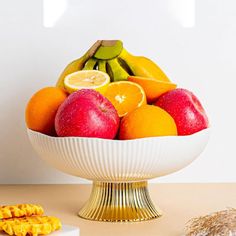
[
  {"x": 116, "y": 71},
  {"x": 109, "y": 49},
  {"x": 77, "y": 64},
  {"x": 109, "y": 56},
  {"x": 90, "y": 64},
  {"x": 70, "y": 68},
  {"x": 102, "y": 65},
  {"x": 142, "y": 66}
]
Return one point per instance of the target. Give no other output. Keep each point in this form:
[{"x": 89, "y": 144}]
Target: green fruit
[
  {"x": 90, "y": 64},
  {"x": 115, "y": 70},
  {"x": 109, "y": 49},
  {"x": 124, "y": 65},
  {"x": 102, "y": 65},
  {"x": 92, "y": 50}
]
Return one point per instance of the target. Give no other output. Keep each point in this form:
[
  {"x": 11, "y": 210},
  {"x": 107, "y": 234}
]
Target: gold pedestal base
[{"x": 115, "y": 202}]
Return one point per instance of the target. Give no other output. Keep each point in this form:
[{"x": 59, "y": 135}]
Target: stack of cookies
[{"x": 26, "y": 219}]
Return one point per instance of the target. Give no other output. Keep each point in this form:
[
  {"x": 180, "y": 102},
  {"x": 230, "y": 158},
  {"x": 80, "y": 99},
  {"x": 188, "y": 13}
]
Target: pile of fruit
[{"x": 109, "y": 93}]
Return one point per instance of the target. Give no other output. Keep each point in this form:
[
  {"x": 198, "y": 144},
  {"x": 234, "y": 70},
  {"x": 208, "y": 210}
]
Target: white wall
[{"x": 193, "y": 41}]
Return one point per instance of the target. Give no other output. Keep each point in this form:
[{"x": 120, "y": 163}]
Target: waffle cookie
[
  {"x": 20, "y": 210},
  {"x": 33, "y": 225}
]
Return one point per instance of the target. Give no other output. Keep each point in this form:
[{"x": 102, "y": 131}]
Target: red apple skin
[
  {"x": 86, "y": 113},
  {"x": 186, "y": 110}
]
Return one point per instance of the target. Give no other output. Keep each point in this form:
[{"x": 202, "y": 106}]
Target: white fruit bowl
[{"x": 119, "y": 169}]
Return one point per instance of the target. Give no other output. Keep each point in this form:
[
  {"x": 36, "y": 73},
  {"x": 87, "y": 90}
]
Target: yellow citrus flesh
[
  {"x": 125, "y": 96},
  {"x": 87, "y": 79}
]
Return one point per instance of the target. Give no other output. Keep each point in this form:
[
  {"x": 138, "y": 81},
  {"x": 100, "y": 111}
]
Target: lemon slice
[{"x": 87, "y": 79}]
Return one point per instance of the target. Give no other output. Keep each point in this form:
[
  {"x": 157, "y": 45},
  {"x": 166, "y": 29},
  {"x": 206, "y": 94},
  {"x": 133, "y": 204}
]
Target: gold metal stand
[{"x": 115, "y": 202}]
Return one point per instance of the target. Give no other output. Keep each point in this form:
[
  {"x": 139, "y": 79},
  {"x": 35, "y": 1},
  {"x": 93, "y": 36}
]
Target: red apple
[
  {"x": 186, "y": 110},
  {"x": 86, "y": 113}
]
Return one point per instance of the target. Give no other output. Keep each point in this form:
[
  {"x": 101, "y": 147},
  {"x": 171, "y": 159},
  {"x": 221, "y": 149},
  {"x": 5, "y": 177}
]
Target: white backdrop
[{"x": 193, "y": 41}]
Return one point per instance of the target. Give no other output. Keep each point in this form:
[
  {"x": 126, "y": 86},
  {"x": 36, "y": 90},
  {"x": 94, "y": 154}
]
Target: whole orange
[
  {"x": 147, "y": 121},
  {"x": 42, "y": 107}
]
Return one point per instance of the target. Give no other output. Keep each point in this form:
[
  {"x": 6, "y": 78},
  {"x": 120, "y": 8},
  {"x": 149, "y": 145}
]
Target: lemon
[{"x": 87, "y": 79}]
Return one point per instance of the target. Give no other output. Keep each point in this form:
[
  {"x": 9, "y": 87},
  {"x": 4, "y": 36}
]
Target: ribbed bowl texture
[{"x": 117, "y": 160}]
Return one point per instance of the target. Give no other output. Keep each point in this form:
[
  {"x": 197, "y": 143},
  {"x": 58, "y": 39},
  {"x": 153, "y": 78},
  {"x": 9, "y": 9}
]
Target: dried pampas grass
[{"x": 221, "y": 223}]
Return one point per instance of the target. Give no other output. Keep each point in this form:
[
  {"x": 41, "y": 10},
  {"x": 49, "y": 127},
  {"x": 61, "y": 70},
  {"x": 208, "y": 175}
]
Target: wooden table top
[{"x": 179, "y": 203}]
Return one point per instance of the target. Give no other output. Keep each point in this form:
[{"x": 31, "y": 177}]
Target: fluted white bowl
[{"x": 117, "y": 160}]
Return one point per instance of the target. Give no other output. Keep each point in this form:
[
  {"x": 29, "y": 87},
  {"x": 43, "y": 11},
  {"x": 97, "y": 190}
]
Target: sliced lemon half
[{"x": 87, "y": 79}]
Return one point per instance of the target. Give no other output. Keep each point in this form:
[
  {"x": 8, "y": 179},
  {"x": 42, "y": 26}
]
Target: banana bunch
[{"x": 111, "y": 57}]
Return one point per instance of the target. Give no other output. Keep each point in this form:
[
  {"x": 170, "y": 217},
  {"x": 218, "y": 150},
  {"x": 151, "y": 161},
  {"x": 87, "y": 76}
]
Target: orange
[
  {"x": 153, "y": 88},
  {"x": 42, "y": 107},
  {"x": 125, "y": 96},
  {"x": 147, "y": 121}
]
